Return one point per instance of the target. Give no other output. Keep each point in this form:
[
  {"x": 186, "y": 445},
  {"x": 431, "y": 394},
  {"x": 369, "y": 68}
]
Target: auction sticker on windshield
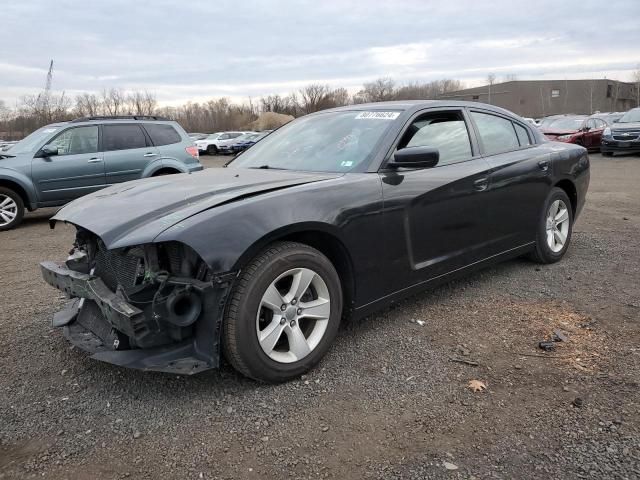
[{"x": 378, "y": 115}]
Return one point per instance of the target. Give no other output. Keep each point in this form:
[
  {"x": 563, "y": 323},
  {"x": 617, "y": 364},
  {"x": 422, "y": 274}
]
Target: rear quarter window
[
  {"x": 162, "y": 134},
  {"x": 123, "y": 137}
]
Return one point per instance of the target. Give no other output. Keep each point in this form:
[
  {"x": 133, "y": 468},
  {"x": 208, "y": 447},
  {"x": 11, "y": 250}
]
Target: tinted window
[
  {"x": 445, "y": 131},
  {"x": 234, "y": 135},
  {"x": 162, "y": 134},
  {"x": 77, "y": 140},
  {"x": 123, "y": 137},
  {"x": 496, "y": 133},
  {"x": 523, "y": 135},
  {"x": 599, "y": 123}
]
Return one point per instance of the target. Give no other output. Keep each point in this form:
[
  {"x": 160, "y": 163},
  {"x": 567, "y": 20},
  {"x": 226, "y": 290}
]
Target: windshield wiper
[{"x": 6, "y": 155}]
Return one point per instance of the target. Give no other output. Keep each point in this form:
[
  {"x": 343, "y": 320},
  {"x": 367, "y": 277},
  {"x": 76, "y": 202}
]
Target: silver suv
[{"x": 64, "y": 161}]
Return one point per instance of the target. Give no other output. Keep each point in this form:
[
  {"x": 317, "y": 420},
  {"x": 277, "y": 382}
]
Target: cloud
[{"x": 199, "y": 49}]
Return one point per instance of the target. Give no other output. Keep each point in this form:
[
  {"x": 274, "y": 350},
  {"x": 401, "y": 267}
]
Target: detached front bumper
[{"x": 98, "y": 321}]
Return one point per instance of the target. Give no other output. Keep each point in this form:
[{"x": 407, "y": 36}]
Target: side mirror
[
  {"x": 415, "y": 157},
  {"x": 49, "y": 151},
  {"x": 616, "y": 120}
]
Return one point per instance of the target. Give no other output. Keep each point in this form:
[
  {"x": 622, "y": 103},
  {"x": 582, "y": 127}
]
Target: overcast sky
[{"x": 195, "y": 50}]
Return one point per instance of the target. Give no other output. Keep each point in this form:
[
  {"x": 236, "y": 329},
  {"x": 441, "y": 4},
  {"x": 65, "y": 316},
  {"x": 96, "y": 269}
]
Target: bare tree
[
  {"x": 379, "y": 90},
  {"x": 88, "y": 105},
  {"x": 112, "y": 101},
  {"x": 141, "y": 103}
]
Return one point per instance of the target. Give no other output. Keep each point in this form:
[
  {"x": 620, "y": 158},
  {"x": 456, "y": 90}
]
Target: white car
[{"x": 213, "y": 142}]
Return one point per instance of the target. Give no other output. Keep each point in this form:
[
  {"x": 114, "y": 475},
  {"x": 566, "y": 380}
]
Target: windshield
[
  {"x": 571, "y": 123},
  {"x": 326, "y": 142},
  {"x": 631, "y": 116},
  {"x": 213, "y": 136},
  {"x": 34, "y": 140}
]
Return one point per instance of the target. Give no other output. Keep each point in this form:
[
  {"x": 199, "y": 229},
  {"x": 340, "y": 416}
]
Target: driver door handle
[
  {"x": 94, "y": 160},
  {"x": 150, "y": 154}
]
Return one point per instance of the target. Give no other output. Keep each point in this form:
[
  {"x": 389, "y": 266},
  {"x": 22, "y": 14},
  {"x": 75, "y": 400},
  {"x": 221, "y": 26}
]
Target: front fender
[
  {"x": 225, "y": 236},
  {"x": 23, "y": 181}
]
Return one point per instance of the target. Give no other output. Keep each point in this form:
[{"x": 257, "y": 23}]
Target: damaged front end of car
[{"x": 155, "y": 306}]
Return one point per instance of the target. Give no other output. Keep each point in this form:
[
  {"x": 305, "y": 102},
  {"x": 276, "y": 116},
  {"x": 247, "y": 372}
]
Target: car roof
[{"x": 415, "y": 105}]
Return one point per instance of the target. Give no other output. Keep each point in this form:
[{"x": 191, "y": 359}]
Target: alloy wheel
[
  {"x": 293, "y": 315},
  {"x": 8, "y": 210},
  {"x": 557, "y": 225}
]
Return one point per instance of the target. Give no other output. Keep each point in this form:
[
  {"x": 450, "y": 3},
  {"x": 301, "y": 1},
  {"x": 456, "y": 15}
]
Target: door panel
[
  {"x": 518, "y": 184},
  {"x": 127, "y": 152},
  {"x": 435, "y": 219},
  {"x": 77, "y": 170}
]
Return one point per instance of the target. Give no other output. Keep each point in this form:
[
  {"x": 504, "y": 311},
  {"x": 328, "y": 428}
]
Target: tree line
[{"x": 35, "y": 111}]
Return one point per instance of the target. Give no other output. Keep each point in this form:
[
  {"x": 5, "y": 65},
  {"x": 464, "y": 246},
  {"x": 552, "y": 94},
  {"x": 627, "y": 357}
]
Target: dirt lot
[{"x": 387, "y": 402}]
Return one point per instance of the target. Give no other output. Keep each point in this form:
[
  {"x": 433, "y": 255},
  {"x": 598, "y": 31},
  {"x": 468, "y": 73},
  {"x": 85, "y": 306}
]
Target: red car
[{"x": 578, "y": 129}]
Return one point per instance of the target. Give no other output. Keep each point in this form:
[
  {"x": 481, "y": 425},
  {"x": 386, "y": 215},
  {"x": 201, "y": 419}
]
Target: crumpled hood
[{"x": 136, "y": 212}]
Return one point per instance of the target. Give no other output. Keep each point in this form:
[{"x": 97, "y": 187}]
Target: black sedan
[{"x": 330, "y": 217}]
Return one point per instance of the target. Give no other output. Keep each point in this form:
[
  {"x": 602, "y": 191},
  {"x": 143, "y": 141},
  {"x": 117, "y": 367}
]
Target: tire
[
  {"x": 11, "y": 209},
  {"x": 607, "y": 154},
  {"x": 212, "y": 150},
  {"x": 280, "y": 357},
  {"x": 549, "y": 248}
]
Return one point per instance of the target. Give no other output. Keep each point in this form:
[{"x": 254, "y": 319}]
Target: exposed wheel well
[
  {"x": 18, "y": 189},
  {"x": 165, "y": 171},
  {"x": 570, "y": 190}
]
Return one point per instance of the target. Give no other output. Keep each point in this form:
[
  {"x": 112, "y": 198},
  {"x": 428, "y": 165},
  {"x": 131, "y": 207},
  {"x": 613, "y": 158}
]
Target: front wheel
[
  {"x": 212, "y": 150},
  {"x": 283, "y": 313},
  {"x": 554, "y": 228},
  {"x": 11, "y": 209}
]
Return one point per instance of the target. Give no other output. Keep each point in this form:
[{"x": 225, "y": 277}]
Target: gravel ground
[{"x": 390, "y": 400}]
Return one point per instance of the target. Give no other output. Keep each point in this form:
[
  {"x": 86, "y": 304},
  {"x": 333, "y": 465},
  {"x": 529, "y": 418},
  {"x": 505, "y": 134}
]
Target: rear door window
[
  {"x": 497, "y": 134},
  {"x": 445, "y": 131},
  {"x": 162, "y": 134},
  {"x": 123, "y": 137}
]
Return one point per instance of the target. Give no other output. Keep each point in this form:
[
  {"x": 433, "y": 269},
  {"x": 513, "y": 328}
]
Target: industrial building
[{"x": 540, "y": 98}]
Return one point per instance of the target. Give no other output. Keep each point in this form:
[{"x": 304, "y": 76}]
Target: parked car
[
  {"x": 64, "y": 161},
  {"x": 242, "y": 145},
  {"x": 227, "y": 147},
  {"x": 623, "y": 135},
  {"x": 216, "y": 142},
  {"x": 260, "y": 261},
  {"x": 197, "y": 136},
  {"x": 578, "y": 129}
]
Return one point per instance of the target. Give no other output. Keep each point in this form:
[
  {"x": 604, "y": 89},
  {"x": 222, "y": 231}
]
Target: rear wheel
[
  {"x": 11, "y": 209},
  {"x": 212, "y": 150},
  {"x": 283, "y": 313},
  {"x": 554, "y": 228}
]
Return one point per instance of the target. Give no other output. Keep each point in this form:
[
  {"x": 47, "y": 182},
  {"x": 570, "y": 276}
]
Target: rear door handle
[
  {"x": 94, "y": 160},
  {"x": 481, "y": 184},
  {"x": 150, "y": 154},
  {"x": 544, "y": 165}
]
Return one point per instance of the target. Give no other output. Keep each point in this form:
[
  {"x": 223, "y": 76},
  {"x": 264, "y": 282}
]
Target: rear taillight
[{"x": 193, "y": 151}]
